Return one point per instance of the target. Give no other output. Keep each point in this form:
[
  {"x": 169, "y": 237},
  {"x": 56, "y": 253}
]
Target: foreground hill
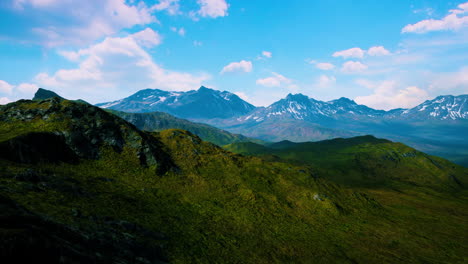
[{"x": 79, "y": 184}]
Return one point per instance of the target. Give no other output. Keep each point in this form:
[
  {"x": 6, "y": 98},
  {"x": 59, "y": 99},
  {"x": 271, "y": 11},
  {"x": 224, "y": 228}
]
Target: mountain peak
[
  {"x": 297, "y": 97},
  {"x": 204, "y": 89},
  {"x": 42, "y": 94},
  {"x": 202, "y": 103}
]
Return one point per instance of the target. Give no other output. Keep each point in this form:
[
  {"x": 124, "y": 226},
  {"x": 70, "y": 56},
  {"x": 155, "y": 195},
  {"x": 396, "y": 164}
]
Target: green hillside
[
  {"x": 158, "y": 121},
  {"x": 364, "y": 161},
  {"x": 81, "y": 185}
]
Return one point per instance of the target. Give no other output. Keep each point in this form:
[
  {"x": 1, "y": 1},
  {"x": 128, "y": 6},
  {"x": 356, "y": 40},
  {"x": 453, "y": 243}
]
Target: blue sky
[{"x": 384, "y": 54}]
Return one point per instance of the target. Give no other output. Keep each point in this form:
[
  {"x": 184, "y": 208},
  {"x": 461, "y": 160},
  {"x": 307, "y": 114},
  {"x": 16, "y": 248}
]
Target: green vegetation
[
  {"x": 159, "y": 121},
  {"x": 138, "y": 197}
]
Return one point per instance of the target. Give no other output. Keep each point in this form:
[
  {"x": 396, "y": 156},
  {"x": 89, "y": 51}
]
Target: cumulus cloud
[
  {"x": 116, "y": 66},
  {"x": 172, "y": 7},
  {"x": 4, "y": 100},
  {"x": 5, "y": 87},
  {"x": 455, "y": 20},
  {"x": 359, "y": 53},
  {"x": 353, "y": 67},
  {"x": 10, "y": 92},
  {"x": 388, "y": 95},
  {"x": 241, "y": 66},
  {"x": 213, "y": 8},
  {"x": 147, "y": 38},
  {"x": 82, "y": 22},
  {"x": 378, "y": 51},
  {"x": 276, "y": 80},
  {"x": 350, "y": 53}
]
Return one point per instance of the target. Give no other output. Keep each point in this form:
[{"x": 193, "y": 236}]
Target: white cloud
[
  {"x": 455, "y": 20},
  {"x": 428, "y": 11},
  {"x": 241, "y": 66},
  {"x": 242, "y": 95},
  {"x": 14, "y": 92},
  {"x": 366, "y": 83},
  {"x": 359, "y": 53},
  {"x": 82, "y": 22},
  {"x": 180, "y": 31},
  {"x": 378, "y": 51},
  {"x": 27, "y": 88},
  {"x": 325, "y": 81},
  {"x": 276, "y": 80},
  {"x": 171, "y": 6},
  {"x": 353, "y": 67},
  {"x": 35, "y": 3},
  {"x": 213, "y": 8},
  {"x": 266, "y": 54},
  {"x": 387, "y": 95},
  {"x": 5, "y": 87},
  {"x": 147, "y": 38},
  {"x": 350, "y": 53},
  {"x": 114, "y": 68},
  {"x": 197, "y": 43},
  {"x": 4, "y": 100},
  {"x": 324, "y": 66},
  {"x": 451, "y": 82}
]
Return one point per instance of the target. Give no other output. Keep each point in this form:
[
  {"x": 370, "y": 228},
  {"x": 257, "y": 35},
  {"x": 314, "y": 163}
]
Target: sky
[{"x": 384, "y": 54}]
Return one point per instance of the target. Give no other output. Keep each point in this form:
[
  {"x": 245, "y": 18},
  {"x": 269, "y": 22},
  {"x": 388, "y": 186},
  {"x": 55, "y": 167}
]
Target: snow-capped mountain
[
  {"x": 205, "y": 104},
  {"x": 447, "y": 107},
  {"x": 201, "y": 103},
  {"x": 301, "y": 107}
]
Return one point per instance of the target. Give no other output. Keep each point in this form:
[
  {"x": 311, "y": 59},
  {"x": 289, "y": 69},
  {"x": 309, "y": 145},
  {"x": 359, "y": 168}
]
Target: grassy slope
[
  {"x": 216, "y": 206},
  {"x": 158, "y": 121}
]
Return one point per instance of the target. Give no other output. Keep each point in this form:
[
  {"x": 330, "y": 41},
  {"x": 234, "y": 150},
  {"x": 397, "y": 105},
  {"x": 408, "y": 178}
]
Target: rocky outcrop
[{"x": 76, "y": 129}]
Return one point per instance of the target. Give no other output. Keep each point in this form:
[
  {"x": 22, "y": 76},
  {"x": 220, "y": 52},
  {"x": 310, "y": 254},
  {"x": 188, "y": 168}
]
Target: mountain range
[
  {"x": 437, "y": 126},
  {"x": 79, "y": 184},
  {"x": 201, "y": 103},
  {"x": 206, "y": 103}
]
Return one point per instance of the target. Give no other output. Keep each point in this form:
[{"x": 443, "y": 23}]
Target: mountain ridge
[
  {"x": 201, "y": 103},
  {"x": 300, "y": 106}
]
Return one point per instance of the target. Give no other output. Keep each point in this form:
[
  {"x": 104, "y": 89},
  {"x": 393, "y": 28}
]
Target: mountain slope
[
  {"x": 158, "y": 121},
  {"x": 446, "y": 107},
  {"x": 207, "y": 204},
  {"x": 365, "y": 161},
  {"x": 202, "y": 103}
]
